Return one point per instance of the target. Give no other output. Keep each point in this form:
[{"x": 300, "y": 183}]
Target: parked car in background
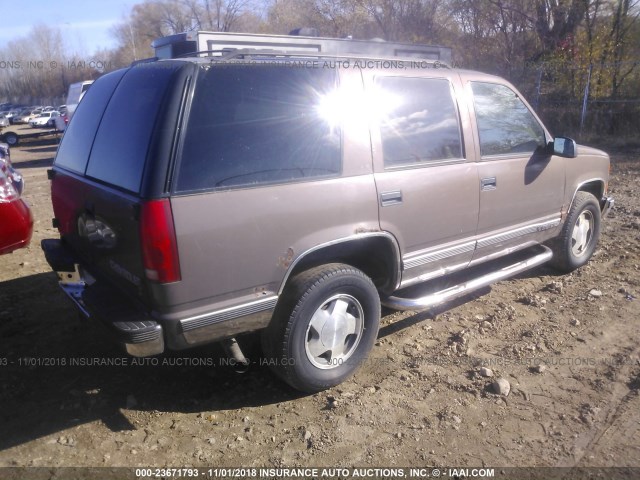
[
  {"x": 62, "y": 109},
  {"x": 11, "y": 115},
  {"x": 25, "y": 116},
  {"x": 45, "y": 119},
  {"x": 4, "y": 121},
  {"x": 16, "y": 221}
]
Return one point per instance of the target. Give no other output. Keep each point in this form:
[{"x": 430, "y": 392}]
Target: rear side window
[
  {"x": 120, "y": 148},
  {"x": 505, "y": 124},
  {"x": 420, "y": 122},
  {"x": 256, "y": 125},
  {"x": 76, "y": 144}
]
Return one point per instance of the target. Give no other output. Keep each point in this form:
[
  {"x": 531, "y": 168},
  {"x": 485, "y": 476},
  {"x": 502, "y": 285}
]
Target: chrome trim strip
[
  {"x": 439, "y": 272},
  {"x": 424, "y": 258},
  {"x": 518, "y": 232},
  {"x": 350, "y": 238},
  {"x": 442, "y": 296},
  {"x": 227, "y": 314},
  {"x": 425, "y": 164},
  {"x": 228, "y": 329},
  {"x": 416, "y": 260}
]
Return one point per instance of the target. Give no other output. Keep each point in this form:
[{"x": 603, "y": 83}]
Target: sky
[{"x": 85, "y": 24}]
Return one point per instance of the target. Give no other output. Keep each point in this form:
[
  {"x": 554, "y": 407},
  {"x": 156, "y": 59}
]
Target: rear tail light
[
  {"x": 8, "y": 192},
  {"x": 159, "y": 245}
]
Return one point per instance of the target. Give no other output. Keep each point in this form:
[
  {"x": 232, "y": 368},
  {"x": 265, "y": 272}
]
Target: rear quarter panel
[{"x": 236, "y": 246}]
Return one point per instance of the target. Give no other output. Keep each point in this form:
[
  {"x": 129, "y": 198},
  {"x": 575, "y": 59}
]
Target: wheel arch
[
  {"x": 595, "y": 187},
  {"x": 376, "y": 254}
]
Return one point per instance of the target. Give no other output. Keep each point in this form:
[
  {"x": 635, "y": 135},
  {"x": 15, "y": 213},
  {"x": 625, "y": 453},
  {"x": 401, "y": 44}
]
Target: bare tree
[
  {"x": 557, "y": 19},
  {"x": 407, "y": 20},
  {"x": 42, "y": 67}
]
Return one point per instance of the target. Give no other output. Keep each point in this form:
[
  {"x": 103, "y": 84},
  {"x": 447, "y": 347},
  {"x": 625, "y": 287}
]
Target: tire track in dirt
[{"x": 614, "y": 430}]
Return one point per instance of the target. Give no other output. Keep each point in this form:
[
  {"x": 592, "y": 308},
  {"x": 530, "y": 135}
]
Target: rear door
[
  {"x": 99, "y": 170},
  {"x": 424, "y": 169}
]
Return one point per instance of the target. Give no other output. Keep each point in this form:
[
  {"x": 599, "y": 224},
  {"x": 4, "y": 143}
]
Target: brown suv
[{"x": 201, "y": 198}]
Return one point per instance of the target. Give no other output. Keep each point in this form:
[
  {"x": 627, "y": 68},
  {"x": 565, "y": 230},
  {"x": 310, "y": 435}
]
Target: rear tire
[
  {"x": 323, "y": 328},
  {"x": 576, "y": 243}
]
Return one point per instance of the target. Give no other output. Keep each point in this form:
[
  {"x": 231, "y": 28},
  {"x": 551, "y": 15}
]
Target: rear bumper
[
  {"x": 141, "y": 335},
  {"x": 606, "y": 205}
]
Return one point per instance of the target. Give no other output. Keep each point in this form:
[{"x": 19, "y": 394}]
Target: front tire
[
  {"x": 323, "y": 328},
  {"x": 576, "y": 243}
]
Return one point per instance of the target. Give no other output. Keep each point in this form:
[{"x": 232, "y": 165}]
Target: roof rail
[
  {"x": 213, "y": 43},
  {"x": 249, "y": 53},
  {"x": 144, "y": 60}
]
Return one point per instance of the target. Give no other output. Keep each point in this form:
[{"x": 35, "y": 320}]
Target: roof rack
[
  {"x": 253, "y": 54},
  {"x": 217, "y": 43}
]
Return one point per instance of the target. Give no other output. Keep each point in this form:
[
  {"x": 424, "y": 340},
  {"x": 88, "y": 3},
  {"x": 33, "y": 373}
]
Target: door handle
[
  {"x": 390, "y": 198},
  {"x": 489, "y": 183}
]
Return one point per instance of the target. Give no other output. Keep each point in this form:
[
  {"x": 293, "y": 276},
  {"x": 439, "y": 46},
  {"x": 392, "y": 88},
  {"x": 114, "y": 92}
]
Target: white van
[{"x": 76, "y": 92}]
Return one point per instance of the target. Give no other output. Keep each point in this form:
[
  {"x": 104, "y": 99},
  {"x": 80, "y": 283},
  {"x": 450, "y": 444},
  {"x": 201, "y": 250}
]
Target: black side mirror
[{"x": 564, "y": 147}]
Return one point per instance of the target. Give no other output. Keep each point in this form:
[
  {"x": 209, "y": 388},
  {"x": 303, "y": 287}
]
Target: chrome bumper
[
  {"x": 607, "y": 204},
  {"x": 141, "y": 335}
]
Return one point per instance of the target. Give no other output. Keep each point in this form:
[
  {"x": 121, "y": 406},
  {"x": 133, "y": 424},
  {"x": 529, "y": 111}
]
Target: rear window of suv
[
  {"x": 253, "y": 125},
  {"x": 75, "y": 148},
  {"x": 121, "y": 144}
]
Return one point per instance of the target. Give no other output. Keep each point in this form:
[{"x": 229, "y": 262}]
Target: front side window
[
  {"x": 418, "y": 122},
  {"x": 505, "y": 124},
  {"x": 258, "y": 125}
]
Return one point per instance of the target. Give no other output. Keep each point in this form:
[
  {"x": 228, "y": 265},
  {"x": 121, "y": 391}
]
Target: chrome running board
[{"x": 543, "y": 255}]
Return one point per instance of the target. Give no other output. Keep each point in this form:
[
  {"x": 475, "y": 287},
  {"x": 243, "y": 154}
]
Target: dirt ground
[{"x": 420, "y": 399}]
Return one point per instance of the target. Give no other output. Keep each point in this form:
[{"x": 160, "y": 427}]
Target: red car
[{"x": 16, "y": 222}]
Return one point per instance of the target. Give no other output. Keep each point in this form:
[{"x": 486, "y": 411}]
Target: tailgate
[
  {"x": 101, "y": 226},
  {"x": 114, "y": 154}
]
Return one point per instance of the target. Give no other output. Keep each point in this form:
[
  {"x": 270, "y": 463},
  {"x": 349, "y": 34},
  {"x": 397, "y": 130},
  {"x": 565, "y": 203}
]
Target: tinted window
[
  {"x": 78, "y": 138},
  {"x": 505, "y": 123},
  {"x": 120, "y": 148},
  {"x": 420, "y": 121},
  {"x": 260, "y": 124}
]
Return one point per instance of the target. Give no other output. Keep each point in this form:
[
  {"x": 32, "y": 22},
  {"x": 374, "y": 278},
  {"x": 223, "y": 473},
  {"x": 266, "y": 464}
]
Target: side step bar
[{"x": 442, "y": 296}]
